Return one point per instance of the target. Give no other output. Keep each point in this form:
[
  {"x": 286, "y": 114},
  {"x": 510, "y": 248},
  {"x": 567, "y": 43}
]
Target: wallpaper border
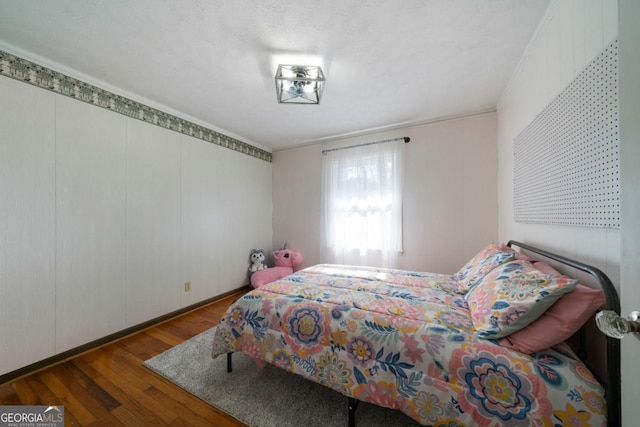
[{"x": 26, "y": 71}]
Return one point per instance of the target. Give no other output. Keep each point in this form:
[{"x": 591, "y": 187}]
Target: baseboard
[{"x": 61, "y": 357}]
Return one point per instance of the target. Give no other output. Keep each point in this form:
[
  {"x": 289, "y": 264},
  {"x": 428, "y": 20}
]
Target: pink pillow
[
  {"x": 546, "y": 268},
  {"x": 518, "y": 256},
  {"x": 560, "y": 321}
]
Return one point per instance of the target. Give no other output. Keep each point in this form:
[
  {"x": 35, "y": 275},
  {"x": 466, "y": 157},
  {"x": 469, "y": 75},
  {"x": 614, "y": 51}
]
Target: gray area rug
[{"x": 262, "y": 397}]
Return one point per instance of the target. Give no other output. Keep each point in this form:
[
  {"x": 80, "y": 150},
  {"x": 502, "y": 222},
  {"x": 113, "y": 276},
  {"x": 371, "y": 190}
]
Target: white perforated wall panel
[{"x": 566, "y": 162}]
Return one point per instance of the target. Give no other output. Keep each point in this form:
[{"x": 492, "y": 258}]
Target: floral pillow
[
  {"x": 484, "y": 261},
  {"x": 512, "y": 296},
  {"x": 516, "y": 255}
]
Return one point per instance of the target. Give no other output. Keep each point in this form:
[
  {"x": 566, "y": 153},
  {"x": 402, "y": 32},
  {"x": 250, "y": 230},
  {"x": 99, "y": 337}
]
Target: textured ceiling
[{"x": 387, "y": 63}]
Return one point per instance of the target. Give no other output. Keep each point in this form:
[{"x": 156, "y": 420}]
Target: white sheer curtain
[{"x": 362, "y": 204}]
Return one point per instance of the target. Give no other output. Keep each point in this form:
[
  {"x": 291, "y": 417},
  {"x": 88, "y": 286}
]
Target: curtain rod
[{"x": 405, "y": 138}]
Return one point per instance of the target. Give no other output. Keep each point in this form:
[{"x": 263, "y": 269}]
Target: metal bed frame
[{"x": 612, "y": 302}]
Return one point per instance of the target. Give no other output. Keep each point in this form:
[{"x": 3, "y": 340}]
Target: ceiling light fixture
[{"x": 299, "y": 84}]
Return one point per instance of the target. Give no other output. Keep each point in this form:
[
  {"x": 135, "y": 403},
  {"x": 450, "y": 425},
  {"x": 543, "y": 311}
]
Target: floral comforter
[{"x": 405, "y": 340}]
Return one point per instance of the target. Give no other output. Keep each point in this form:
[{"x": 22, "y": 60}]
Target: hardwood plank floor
[{"x": 109, "y": 386}]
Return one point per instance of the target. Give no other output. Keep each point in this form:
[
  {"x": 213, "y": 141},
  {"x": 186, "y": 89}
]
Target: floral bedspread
[{"x": 405, "y": 340}]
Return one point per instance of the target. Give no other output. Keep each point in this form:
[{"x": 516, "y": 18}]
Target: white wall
[
  {"x": 152, "y": 221},
  {"x": 27, "y": 224},
  {"x": 104, "y": 217},
  {"x": 90, "y": 198},
  {"x": 570, "y": 35},
  {"x": 450, "y": 200}
]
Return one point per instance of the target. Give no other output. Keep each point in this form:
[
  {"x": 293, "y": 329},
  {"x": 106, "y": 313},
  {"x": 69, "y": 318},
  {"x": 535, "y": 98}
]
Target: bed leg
[
  {"x": 229, "y": 362},
  {"x": 353, "y": 405}
]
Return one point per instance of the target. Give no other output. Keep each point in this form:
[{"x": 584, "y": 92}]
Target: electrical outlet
[{"x": 187, "y": 286}]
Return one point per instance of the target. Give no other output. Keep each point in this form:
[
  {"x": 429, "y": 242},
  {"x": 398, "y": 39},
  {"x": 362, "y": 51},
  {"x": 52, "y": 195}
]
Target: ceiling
[{"x": 388, "y": 63}]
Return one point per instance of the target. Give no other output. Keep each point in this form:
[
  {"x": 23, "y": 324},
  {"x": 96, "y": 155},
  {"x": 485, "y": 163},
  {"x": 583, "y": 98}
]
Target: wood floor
[{"x": 110, "y": 387}]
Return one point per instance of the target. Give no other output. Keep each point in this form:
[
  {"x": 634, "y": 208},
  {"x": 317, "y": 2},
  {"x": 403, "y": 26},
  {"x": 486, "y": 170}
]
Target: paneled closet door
[
  {"x": 90, "y": 223},
  {"x": 153, "y": 222},
  {"x": 27, "y": 221},
  {"x": 201, "y": 220}
]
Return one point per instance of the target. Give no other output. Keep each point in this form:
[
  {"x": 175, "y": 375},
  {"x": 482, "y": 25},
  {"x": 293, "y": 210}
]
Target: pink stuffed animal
[{"x": 285, "y": 260}]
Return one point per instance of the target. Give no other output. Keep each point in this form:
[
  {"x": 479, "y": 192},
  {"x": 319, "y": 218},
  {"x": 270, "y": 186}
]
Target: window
[{"x": 362, "y": 204}]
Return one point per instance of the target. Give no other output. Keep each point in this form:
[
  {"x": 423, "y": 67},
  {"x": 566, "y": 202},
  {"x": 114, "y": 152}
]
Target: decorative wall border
[{"x": 28, "y": 72}]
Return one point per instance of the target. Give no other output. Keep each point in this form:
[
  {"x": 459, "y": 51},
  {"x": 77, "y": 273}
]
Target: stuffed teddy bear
[
  {"x": 257, "y": 257},
  {"x": 285, "y": 260}
]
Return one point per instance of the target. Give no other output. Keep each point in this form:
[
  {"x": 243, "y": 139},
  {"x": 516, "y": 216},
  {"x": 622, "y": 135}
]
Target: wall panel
[
  {"x": 235, "y": 238},
  {"x": 90, "y": 223},
  {"x": 609, "y": 20},
  {"x": 578, "y": 22},
  {"x": 153, "y": 222},
  {"x": 554, "y": 49},
  {"x": 594, "y": 35},
  {"x": 259, "y": 205},
  {"x": 565, "y": 14},
  {"x": 201, "y": 220},
  {"x": 27, "y": 224}
]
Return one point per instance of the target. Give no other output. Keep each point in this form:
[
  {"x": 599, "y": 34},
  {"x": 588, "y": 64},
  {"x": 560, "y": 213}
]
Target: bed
[{"x": 440, "y": 348}]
